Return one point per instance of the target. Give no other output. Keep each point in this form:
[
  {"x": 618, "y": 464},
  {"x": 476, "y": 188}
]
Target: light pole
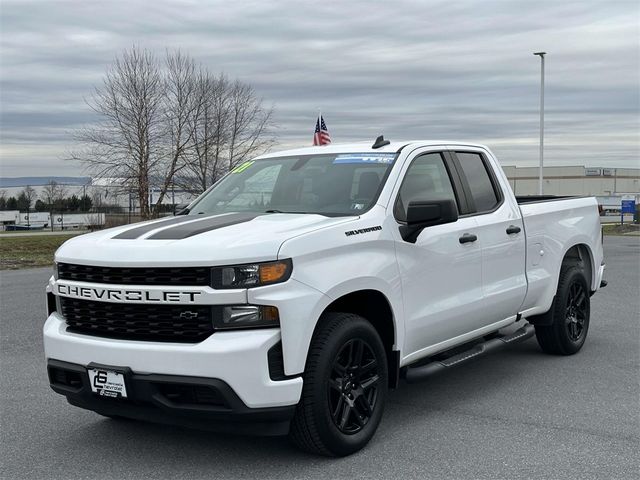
[{"x": 541, "y": 55}]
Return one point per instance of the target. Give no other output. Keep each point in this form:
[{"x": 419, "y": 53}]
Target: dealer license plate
[{"x": 107, "y": 383}]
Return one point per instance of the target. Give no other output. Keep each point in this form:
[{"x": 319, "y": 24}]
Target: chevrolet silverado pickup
[{"x": 293, "y": 294}]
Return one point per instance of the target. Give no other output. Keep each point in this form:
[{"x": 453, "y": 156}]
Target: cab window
[
  {"x": 426, "y": 179},
  {"x": 483, "y": 191}
]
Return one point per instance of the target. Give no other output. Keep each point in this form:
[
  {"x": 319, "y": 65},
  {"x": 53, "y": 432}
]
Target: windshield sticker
[
  {"x": 242, "y": 167},
  {"x": 385, "y": 158}
]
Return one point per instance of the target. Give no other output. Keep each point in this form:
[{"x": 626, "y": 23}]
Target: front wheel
[
  {"x": 570, "y": 315},
  {"x": 345, "y": 387}
]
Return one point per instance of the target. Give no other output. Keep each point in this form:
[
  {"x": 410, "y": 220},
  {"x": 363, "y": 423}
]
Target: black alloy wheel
[
  {"x": 344, "y": 387},
  {"x": 568, "y": 318},
  {"x": 353, "y": 386},
  {"x": 576, "y": 311}
]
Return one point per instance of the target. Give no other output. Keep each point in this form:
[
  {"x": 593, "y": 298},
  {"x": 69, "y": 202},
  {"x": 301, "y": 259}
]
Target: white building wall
[{"x": 573, "y": 181}]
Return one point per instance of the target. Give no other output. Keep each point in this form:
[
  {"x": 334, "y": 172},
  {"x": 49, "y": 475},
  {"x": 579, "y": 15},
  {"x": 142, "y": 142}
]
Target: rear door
[
  {"x": 441, "y": 276},
  {"x": 500, "y": 233}
]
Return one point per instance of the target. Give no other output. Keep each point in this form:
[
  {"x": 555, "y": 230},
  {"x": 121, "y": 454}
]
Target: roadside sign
[{"x": 628, "y": 206}]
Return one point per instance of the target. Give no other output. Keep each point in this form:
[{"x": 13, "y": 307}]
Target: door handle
[
  {"x": 513, "y": 229},
  {"x": 468, "y": 238}
]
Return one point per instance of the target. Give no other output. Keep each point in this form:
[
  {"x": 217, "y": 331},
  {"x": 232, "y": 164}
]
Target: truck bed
[
  {"x": 522, "y": 199},
  {"x": 552, "y": 223}
]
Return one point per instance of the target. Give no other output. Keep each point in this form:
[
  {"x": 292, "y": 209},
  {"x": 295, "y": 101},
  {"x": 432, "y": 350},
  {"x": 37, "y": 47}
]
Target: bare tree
[
  {"x": 210, "y": 133},
  {"x": 26, "y": 198},
  {"x": 53, "y": 194},
  {"x": 163, "y": 124},
  {"x": 232, "y": 126},
  {"x": 248, "y": 125},
  {"x": 125, "y": 142},
  {"x": 182, "y": 103}
]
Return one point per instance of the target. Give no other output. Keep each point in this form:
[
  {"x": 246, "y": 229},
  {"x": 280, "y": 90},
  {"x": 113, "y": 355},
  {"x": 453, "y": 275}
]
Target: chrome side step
[{"x": 419, "y": 373}]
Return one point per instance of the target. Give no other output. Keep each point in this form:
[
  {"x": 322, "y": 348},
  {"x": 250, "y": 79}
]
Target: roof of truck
[{"x": 362, "y": 147}]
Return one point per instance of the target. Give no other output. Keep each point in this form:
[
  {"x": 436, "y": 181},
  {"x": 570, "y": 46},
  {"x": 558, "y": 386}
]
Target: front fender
[{"x": 300, "y": 307}]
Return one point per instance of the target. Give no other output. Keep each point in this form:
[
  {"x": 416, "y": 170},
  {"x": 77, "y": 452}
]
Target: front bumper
[
  {"x": 187, "y": 401},
  {"x": 237, "y": 358}
]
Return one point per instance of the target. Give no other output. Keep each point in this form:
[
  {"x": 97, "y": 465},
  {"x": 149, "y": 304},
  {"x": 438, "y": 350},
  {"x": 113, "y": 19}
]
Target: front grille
[
  {"x": 138, "y": 322},
  {"x": 166, "y": 276}
]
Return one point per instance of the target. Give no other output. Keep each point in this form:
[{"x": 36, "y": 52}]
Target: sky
[{"x": 445, "y": 70}]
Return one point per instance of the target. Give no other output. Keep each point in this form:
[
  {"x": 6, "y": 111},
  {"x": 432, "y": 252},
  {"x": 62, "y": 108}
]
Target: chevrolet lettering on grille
[{"x": 127, "y": 294}]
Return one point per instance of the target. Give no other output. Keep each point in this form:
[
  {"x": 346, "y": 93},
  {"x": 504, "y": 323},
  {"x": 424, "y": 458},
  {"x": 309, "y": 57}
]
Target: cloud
[{"x": 437, "y": 69}]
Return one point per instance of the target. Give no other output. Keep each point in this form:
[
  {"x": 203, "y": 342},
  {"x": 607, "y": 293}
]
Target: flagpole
[{"x": 319, "y": 125}]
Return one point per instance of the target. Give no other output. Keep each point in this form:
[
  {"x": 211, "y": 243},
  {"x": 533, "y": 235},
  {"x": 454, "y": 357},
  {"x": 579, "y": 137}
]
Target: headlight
[
  {"x": 251, "y": 275},
  {"x": 245, "y": 316},
  {"x": 55, "y": 270}
]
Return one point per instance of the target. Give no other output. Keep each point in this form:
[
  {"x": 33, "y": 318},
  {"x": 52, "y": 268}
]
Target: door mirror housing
[{"x": 427, "y": 213}]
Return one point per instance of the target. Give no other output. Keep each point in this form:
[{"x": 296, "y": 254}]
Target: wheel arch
[
  {"x": 580, "y": 255},
  {"x": 375, "y": 307}
]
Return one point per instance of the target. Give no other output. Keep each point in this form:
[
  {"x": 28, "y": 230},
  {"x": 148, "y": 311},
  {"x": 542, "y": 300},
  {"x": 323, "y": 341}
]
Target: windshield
[{"x": 332, "y": 185}]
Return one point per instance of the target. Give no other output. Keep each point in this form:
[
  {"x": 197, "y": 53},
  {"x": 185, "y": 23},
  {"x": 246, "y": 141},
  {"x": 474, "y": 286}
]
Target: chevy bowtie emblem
[{"x": 188, "y": 315}]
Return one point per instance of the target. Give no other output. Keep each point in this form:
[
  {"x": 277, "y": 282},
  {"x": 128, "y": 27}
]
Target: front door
[{"x": 441, "y": 273}]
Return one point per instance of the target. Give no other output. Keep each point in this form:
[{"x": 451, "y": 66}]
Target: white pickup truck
[{"x": 293, "y": 294}]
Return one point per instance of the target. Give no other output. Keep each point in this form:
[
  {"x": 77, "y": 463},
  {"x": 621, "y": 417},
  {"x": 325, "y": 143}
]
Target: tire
[
  {"x": 342, "y": 403},
  {"x": 570, "y": 315}
]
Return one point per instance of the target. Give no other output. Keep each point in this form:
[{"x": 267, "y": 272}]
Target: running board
[{"x": 419, "y": 373}]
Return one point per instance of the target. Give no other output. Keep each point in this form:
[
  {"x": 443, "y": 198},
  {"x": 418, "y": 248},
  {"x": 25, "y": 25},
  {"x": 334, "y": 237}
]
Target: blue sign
[{"x": 628, "y": 206}]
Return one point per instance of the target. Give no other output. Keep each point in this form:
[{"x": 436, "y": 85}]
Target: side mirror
[{"x": 427, "y": 213}]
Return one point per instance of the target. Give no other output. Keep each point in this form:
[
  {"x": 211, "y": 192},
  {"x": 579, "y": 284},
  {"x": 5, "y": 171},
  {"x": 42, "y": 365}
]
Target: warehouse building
[{"x": 578, "y": 180}]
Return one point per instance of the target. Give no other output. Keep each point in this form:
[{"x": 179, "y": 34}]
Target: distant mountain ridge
[{"x": 8, "y": 182}]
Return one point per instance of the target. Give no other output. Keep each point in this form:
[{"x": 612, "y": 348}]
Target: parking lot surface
[{"x": 517, "y": 413}]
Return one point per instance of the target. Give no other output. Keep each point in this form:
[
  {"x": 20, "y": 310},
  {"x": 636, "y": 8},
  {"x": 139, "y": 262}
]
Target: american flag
[{"x": 321, "y": 135}]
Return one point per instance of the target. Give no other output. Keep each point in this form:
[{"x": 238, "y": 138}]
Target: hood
[{"x": 193, "y": 240}]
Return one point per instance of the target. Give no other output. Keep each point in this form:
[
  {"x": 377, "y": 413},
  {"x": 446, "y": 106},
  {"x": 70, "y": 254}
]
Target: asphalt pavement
[{"x": 517, "y": 413}]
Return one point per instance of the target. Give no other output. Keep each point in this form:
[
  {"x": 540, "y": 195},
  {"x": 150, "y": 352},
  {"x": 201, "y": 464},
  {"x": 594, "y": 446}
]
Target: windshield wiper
[
  {"x": 273, "y": 210},
  {"x": 323, "y": 214}
]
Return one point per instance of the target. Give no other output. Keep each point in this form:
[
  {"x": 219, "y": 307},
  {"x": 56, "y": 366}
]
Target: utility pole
[
  {"x": 28, "y": 209},
  {"x": 541, "y": 55}
]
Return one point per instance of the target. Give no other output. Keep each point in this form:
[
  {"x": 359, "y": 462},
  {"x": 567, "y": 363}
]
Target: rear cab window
[{"x": 481, "y": 184}]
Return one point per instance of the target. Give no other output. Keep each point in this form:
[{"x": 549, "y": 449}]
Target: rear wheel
[
  {"x": 345, "y": 387},
  {"x": 570, "y": 315}
]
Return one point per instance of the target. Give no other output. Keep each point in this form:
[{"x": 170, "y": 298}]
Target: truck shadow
[{"x": 410, "y": 409}]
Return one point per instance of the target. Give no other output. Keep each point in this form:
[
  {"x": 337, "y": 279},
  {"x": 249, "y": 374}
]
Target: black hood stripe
[
  {"x": 146, "y": 228},
  {"x": 205, "y": 225}
]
